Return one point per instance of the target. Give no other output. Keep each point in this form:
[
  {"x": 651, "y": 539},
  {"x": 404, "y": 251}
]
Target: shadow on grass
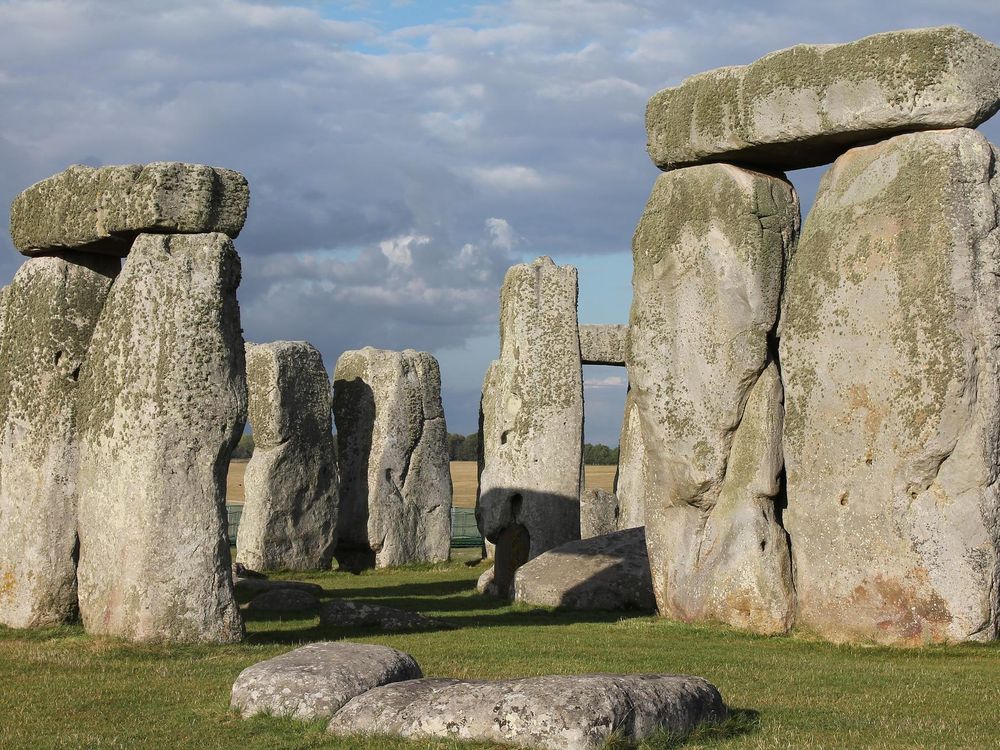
[{"x": 741, "y": 721}]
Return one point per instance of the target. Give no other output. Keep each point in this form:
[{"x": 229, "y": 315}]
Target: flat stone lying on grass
[
  {"x": 345, "y": 613},
  {"x": 254, "y": 585},
  {"x": 805, "y": 105},
  {"x": 609, "y": 572},
  {"x": 283, "y": 600},
  {"x": 555, "y": 712},
  {"x": 103, "y": 209},
  {"x": 314, "y": 681}
]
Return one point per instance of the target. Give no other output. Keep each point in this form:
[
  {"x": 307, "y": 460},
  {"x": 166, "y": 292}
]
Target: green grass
[{"x": 60, "y": 688}]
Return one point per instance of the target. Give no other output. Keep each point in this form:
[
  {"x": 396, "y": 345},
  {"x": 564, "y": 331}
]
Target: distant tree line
[
  {"x": 465, "y": 447},
  {"x": 244, "y": 449}
]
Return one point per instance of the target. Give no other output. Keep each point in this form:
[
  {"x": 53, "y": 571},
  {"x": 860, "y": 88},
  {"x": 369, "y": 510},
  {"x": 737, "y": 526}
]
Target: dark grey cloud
[{"x": 396, "y": 170}]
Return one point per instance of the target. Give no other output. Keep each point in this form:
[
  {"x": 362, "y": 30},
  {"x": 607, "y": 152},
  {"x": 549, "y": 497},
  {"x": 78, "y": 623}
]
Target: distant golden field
[{"x": 463, "y": 478}]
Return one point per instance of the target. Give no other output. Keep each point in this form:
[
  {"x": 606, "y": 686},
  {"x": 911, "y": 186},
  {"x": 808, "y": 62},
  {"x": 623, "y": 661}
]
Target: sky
[{"x": 402, "y": 155}]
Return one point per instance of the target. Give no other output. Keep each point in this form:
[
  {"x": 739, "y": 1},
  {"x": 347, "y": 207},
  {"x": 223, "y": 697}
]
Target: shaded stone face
[
  {"x": 557, "y": 712},
  {"x": 47, "y": 317},
  {"x": 805, "y": 105},
  {"x": 708, "y": 255},
  {"x": 891, "y": 374},
  {"x": 103, "y": 209},
  {"x": 395, "y": 481},
  {"x": 603, "y": 344},
  {"x": 532, "y": 415},
  {"x": 289, "y": 516},
  {"x": 162, "y": 404}
]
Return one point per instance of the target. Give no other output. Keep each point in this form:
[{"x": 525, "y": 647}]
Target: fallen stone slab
[
  {"x": 256, "y": 585},
  {"x": 343, "y": 613},
  {"x": 103, "y": 209},
  {"x": 806, "y": 105},
  {"x": 609, "y": 572},
  {"x": 47, "y": 317},
  {"x": 283, "y": 600},
  {"x": 289, "y": 519},
  {"x": 892, "y": 410},
  {"x": 558, "y": 712},
  {"x": 314, "y": 681},
  {"x": 603, "y": 344},
  {"x": 162, "y": 404}
]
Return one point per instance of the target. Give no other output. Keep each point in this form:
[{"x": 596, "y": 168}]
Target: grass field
[
  {"x": 60, "y": 688},
  {"x": 463, "y": 479}
]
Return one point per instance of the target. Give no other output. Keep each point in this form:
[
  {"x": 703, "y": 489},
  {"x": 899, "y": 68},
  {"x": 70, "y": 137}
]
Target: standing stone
[
  {"x": 395, "y": 480},
  {"x": 529, "y": 488},
  {"x": 101, "y": 210},
  {"x": 805, "y": 105},
  {"x": 289, "y": 516},
  {"x": 162, "y": 405},
  {"x": 630, "y": 479},
  {"x": 47, "y": 317},
  {"x": 709, "y": 254},
  {"x": 892, "y": 433},
  {"x": 598, "y": 512}
]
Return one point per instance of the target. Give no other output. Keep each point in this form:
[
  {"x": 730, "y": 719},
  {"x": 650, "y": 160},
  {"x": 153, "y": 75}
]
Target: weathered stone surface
[
  {"x": 283, "y": 599},
  {"x": 47, "y": 317},
  {"x": 162, "y": 405},
  {"x": 289, "y": 516},
  {"x": 892, "y": 429},
  {"x": 603, "y": 344},
  {"x": 709, "y": 254},
  {"x": 101, "y": 210},
  {"x": 630, "y": 479},
  {"x": 341, "y": 612},
  {"x": 254, "y": 585},
  {"x": 805, "y": 105},
  {"x": 580, "y": 712},
  {"x": 395, "y": 480},
  {"x": 598, "y": 512},
  {"x": 608, "y": 572},
  {"x": 532, "y": 419},
  {"x": 314, "y": 681}
]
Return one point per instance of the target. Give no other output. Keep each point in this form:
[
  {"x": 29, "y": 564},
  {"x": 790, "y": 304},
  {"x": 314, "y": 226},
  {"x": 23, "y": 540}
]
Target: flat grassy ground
[
  {"x": 60, "y": 688},
  {"x": 463, "y": 479}
]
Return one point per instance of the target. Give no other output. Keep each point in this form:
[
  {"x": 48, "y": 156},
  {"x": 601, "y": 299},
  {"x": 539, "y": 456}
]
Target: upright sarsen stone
[
  {"x": 630, "y": 479},
  {"x": 162, "y": 405},
  {"x": 102, "y": 209},
  {"x": 395, "y": 480},
  {"x": 532, "y": 419},
  {"x": 709, "y": 254},
  {"x": 806, "y": 105},
  {"x": 47, "y": 317},
  {"x": 889, "y": 357},
  {"x": 289, "y": 516}
]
